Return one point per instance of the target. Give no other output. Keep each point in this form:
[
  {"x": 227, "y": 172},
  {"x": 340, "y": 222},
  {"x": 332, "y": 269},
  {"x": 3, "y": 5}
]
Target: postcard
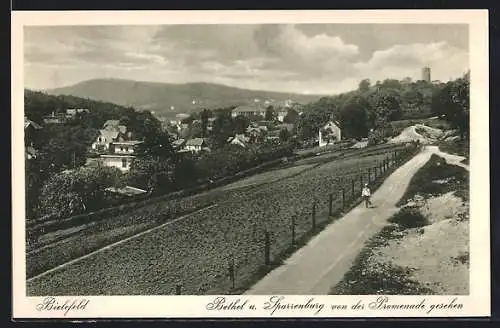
[{"x": 244, "y": 164}]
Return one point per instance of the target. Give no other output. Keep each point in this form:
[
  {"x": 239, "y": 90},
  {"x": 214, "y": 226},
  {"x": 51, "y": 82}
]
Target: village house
[
  {"x": 239, "y": 140},
  {"x": 71, "y": 112},
  {"x": 329, "y": 133},
  {"x": 55, "y": 118},
  {"x": 115, "y": 126},
  {"x": 255, "y": 131},
  {"x": 30, "y": 133},
  {"x": 63, "y": 118},
  {"x": 196, "y": 145},
  {"x": 178, "y": 144},
  {"x": 121, "y": 154},
  {"x": 210, "y": 123},
  {"x": 248, "y": 111},
  {"x": 112, "y": 131},
  {"x": 281, "y": 114}
]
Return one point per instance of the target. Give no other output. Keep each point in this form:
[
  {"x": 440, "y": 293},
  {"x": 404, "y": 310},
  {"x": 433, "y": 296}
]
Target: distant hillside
[
  {"x": 161, "y": 97},
  {"x": 38, "y": 104}
]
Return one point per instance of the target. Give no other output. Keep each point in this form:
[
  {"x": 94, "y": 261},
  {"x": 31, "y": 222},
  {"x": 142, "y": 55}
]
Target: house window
[
  {"x": 121, "y": 148},
  {"x": 124, "y": 162}
]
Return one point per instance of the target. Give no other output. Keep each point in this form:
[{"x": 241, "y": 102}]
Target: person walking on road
[{"x": 366, "y": 194}]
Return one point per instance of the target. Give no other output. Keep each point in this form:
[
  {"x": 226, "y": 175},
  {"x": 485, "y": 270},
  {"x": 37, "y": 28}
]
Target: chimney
[{"x": 129, "y": 135}]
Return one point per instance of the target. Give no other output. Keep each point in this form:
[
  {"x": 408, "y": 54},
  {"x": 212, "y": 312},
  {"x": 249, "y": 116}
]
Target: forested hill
[
  {"x": 38, "y": 104},
  {"x": 169, "y": 99},
  {"x": 371, "y": 106},
  {"x": 66, "y": 145}
]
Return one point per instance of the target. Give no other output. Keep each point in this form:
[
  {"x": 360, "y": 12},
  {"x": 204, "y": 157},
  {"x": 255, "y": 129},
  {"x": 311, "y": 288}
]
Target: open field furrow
[{"x": 232, "y": 232}]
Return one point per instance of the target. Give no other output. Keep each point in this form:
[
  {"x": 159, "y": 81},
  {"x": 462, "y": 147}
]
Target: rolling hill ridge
[{"x": 169, "y": 99}]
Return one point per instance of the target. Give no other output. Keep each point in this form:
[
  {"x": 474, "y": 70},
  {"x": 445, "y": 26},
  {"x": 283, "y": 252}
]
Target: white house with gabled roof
[{"x": 329, "y": 133}]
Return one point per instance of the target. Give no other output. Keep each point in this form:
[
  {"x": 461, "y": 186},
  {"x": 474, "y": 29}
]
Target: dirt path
[
  {"x": 321, "y": 264},
  {"x": 451, "y": 159}
]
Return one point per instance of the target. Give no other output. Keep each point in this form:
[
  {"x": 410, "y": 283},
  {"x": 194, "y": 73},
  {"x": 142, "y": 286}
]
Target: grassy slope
[{"x": 95, "y": 235}]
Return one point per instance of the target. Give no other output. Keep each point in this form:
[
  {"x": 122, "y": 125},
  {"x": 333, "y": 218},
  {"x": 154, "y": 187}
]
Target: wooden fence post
[
  {"x": 330, "y": 205},
  {"x": 178, "y": 288},
  {"x": 314, "y": 215},
  {"x": 293, "y": 229},
  {"x": 352, "y": 187},
  {"x": 369, "y": 175},
  {"x": 231, "y": 270},
  {"x": 267, "y": 248},
  {"x": 361, "y": 180},
  {"x": 343, "y": 198}
]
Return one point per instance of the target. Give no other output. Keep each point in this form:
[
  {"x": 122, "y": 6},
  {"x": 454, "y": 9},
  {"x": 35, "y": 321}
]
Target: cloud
[
  {"x": 400, "y": 61},
  {"x": 296, "y": 58},
  {"x": 310, "y": 55}
]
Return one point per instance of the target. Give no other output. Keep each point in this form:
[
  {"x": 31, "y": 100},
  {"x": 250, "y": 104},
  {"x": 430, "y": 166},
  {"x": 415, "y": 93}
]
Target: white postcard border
[{"x": 476, "y": 304}]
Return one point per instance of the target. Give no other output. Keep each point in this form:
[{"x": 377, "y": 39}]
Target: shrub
[
  {"x": 378, "y": 136},
  {"x": 77, "y": 191},
  {"x": 409, "y": 217}
]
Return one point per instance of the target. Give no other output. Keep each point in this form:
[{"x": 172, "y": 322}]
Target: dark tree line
[
  {"x": 368, "y": 108},
  {"x": 452, "y": 102}
]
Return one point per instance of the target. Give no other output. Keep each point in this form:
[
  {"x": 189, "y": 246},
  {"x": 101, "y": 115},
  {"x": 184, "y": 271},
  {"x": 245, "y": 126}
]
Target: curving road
[{"x": 322, "y": 263}]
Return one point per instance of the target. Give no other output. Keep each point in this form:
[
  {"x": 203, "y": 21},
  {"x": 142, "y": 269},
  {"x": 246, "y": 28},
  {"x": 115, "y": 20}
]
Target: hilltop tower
[{"x": 426, "y": 74}]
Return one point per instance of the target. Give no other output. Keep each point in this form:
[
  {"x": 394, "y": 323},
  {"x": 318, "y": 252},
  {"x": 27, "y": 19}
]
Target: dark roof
[
  {"x": 245, "y": 108},
  {"x": 127, "y": 190},
  {"x": 28, "y": 122},
  {"x": 109, "y": 135},
  {"x": 178, "y": 142},
  {"x": 334, "y": 122}
]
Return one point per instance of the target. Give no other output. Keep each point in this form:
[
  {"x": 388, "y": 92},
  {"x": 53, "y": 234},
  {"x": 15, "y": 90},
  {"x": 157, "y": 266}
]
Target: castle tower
[{"x": 426, "y": 74}]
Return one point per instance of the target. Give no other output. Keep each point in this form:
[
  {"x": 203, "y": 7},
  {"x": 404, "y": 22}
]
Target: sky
[{"x": 305, "y": 58}]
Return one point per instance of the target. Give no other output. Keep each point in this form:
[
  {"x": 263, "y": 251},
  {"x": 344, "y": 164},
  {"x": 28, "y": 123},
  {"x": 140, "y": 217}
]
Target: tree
[
  {"x": 413, "y": 100},
  {"x": 284, "y": 135},
  {"x": 223, "y": 128},
  {"x": 364, "y": 85},
  {"x": 316, "y": 115},
  {"x": 186, "y": 173},
  {"x": 152, "y": 174},
  {"x": 291, "y": 116},
  {"x": 386, "y": 103},
  {"x": 157, "y": 143},
  {"x": 241, "y": 123},
  {"x": 452, "y": 103},
  {"x": 204, "y": 115},
  {"x": 78, "y": 190},
  {"x": 270, "y": 114},
  {"x": 354, "y": 120}
]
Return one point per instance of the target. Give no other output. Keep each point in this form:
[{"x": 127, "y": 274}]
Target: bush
[
  {"x": 409, "y": 217},
  {"x": 379, "y": 136},
  {"x": 77, "y": 191}
]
